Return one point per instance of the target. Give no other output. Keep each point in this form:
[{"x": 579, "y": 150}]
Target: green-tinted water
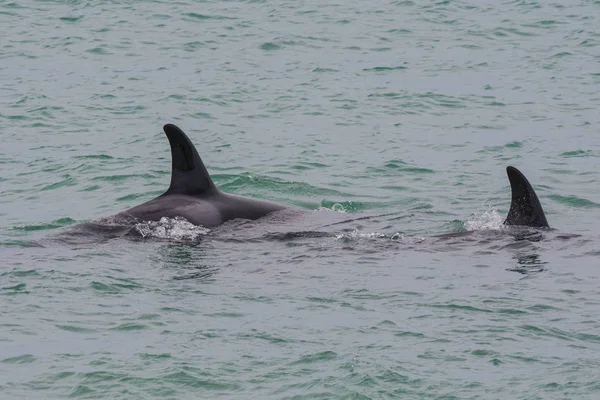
[{"x": 409, "y": 111}]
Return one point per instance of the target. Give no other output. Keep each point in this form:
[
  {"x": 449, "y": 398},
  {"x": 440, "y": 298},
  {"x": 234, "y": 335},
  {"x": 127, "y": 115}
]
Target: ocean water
[{"x": 398, "y": 116}]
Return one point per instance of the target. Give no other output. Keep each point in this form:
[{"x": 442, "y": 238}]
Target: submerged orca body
[{"x": 192, "y": 193}]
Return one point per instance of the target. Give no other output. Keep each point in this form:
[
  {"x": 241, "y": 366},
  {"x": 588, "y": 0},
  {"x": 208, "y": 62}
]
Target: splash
[
  {"x": 334, "y": 207},
  {"x": 172, "y": 229},
  {"x": 488, "y": 220},
  {"x": 338, "y": 207},
  {"x": 355, "y": 234}
]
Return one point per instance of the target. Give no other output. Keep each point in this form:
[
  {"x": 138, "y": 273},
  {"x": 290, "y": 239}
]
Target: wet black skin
[{"x": 192, "y": 193}]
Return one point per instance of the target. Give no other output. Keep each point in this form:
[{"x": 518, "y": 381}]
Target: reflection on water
[
  {"x": 528, "y": 262},
  {"x": 186, "y": 260}
]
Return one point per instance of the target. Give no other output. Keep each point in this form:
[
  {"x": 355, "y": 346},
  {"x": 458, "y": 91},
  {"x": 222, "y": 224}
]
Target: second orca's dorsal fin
[
  {"x": 188, "y": 174},
  {"x": 525, "y": 207}
]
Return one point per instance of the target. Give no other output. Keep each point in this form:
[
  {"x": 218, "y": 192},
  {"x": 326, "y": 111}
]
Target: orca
[
  {"x": 193, "y": 195},
  {"x": 525, "y": 208}
]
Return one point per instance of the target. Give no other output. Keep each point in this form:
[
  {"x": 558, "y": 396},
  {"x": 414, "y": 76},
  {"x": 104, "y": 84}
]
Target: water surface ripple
[{"x": 407, "y": 111}]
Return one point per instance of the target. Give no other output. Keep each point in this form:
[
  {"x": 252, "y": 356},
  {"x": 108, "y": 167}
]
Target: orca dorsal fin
[
  {"x": 188, "y": 175},
  {"x": 525, "y": 207}
]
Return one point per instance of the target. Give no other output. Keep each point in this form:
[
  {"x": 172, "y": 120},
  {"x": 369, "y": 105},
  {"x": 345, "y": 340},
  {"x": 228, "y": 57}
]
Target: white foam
[
  {"x": 488, "y": 220},
  {"x": 355, "y": 234},
  {"x": 172, "y": 229},
  {"x": 335, "y": 207}
]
